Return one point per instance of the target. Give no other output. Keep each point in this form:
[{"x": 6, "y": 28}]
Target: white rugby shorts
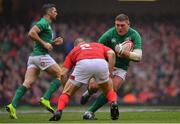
[
  {"x": 41, "y": 61},
  {"x": 120, "y": 72},
  {"x": 87, "y": 68}
]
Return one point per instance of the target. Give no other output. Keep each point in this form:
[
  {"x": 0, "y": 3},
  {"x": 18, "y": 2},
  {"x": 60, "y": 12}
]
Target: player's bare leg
[
  {"x": 111, "y": 97},
  {"x": 53, "y": 70},
  {"x": 68, "y": 91},
  {"x": 117, "y": 82},
  {"x": 101, "y": 99},
  {"x": 30, "y": 76}
]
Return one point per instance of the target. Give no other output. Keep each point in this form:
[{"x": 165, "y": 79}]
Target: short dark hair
[
  {"x": 46, "y": 7},
  {"x": 122, "y": 17}
]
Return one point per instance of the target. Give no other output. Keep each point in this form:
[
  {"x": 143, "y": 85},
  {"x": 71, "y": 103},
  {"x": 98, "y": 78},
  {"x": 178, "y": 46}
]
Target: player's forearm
[
  {"x": 35, "y": 37},
  {"x": 111, "y": 59},
  {"x": 136, "y": 55},
  {"x": 64, "y": 70}
]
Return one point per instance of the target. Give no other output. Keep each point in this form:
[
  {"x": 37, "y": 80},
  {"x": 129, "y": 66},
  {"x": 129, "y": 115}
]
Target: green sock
[
  {"x": 98, "y": 103},
  {"x": 18, "y": 95},
  {"x": 52, "y": 88}
]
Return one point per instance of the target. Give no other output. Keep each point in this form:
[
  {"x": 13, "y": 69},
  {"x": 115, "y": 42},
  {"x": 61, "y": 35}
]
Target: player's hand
[
  {"x": 48, "y": 46},
  {"x": 119, "y": 49},
  {"x": 58, "y": 41}
]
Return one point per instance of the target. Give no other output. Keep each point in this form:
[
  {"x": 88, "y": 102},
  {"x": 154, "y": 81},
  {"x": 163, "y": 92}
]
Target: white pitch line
[{"x": 102, "y": 110}]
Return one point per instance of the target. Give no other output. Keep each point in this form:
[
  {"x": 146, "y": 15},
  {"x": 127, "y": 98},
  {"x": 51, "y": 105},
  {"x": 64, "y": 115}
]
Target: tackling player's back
[{"x": 86, "y": 51}]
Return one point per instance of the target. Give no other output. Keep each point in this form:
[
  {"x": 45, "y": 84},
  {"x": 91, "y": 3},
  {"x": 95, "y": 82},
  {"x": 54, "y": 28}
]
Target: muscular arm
[
  {"x": 111, "y": 59},
  {"x": 33, "y": 34},
  {"x": 64, "y": 72},
  {"x": 135, "y": 55}
]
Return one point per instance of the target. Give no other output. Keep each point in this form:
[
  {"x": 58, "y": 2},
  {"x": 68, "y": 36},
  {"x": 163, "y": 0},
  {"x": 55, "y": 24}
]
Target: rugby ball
[{"x": 127, "y": 45}]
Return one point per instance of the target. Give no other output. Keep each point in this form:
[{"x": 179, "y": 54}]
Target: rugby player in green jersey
[
  {"x": 112, "y": 38},
  {"x": 41, "y": 34}
]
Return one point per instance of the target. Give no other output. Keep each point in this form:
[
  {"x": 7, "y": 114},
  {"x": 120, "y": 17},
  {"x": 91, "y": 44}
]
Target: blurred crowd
[{"x": 155, "y": 80}]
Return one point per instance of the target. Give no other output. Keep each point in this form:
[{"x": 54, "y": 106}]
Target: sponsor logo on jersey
[
  {"x": 49, "y": 27},
  {"x": 113, "y": 40}
]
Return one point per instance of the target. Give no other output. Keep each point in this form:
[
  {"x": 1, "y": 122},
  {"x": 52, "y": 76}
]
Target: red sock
[
  {"x": 111, "y": 96},
  {"x": 63, "y": 101}
]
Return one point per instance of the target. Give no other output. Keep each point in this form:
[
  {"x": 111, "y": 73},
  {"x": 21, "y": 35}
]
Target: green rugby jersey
[
  {"x": 111, "y": 38},
  {"x": 45, "y": 34}
]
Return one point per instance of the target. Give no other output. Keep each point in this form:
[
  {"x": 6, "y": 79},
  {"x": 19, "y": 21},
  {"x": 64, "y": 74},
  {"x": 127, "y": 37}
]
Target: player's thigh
[
  {"x": 70, "y": 88},
  {"x": 117, "y": 82},
  {"x": 101, "y": 72},
  {"x": 30, "y": 76},
  {"x": 54, "y": 70}
]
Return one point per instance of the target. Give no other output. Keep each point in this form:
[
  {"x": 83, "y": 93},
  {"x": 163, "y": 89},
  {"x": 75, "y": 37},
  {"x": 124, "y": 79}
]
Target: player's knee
[
  {"x": 27, "y": 84},
  {"x": 68, "y": 92},
  {"x": 58, "y": 75},
  {"x": 117, "y": 82},
  {"x": 116, "y": 86}
]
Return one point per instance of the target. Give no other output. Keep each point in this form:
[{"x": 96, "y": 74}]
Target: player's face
[
  {"x": 122, "y": 27},
  {"x": 53, "y": 13}
]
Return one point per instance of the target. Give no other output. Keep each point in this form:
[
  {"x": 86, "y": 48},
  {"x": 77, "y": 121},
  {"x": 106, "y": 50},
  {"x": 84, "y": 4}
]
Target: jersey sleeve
[
  {"x": 68, "y": 63},
  {"x": 137, "y": 41},
  {"x": 41, "y": 25}
]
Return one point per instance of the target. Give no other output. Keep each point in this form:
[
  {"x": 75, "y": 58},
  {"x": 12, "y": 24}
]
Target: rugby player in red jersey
[{"x": 88, "y": 60}]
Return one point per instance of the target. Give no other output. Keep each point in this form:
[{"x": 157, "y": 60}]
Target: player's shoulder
[
  {"x": 132, "y": 30},
  {"x": 42, "y": 21},
  {"x": 111, "y": 30}
]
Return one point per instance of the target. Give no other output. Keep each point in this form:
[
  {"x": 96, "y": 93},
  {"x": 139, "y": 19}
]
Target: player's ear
[
  {"x": 49, "y": 11},
  {"x": 128, "y": 22}
]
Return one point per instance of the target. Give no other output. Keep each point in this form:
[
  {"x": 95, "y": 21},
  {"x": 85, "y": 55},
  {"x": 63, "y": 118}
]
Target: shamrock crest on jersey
[{"x": 113, "y": 40}]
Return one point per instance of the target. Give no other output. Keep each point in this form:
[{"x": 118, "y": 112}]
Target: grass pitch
[{"x": 74, "y": 115}]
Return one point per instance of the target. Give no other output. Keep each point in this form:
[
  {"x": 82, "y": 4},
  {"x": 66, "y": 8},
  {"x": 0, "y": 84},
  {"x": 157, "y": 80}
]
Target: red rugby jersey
[{"x": 90, "y": 50}]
